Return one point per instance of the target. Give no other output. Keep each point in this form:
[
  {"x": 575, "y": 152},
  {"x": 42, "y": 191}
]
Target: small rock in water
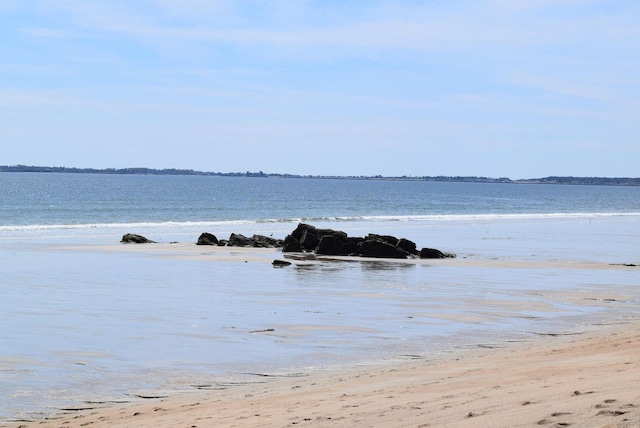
[
  {"x": 136, "y": 239},
  {"x": 432, "y": 253},
  {"x": 207, "y": 238}
]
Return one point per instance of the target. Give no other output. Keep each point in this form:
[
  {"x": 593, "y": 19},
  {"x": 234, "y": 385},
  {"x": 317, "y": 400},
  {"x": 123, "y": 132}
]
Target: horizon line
[{"x": 182, "y": 171}]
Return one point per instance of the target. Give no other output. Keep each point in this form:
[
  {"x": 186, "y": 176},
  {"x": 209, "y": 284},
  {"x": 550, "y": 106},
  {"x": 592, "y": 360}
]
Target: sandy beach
[{"x": 585, "y": 380}]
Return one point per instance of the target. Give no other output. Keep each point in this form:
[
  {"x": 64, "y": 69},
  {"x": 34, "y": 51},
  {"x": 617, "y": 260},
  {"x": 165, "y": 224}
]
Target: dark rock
[
  {"x": 432, "y": 253},
  {"x": 291, "y": 245},
  {"x": 408, "y": 246},
  {"x": 309, "y": 240},
  {"x": 354, "y": 244},
  {"x": 237, "y": 240},
  {"x": 266, "y": 241},
  {"x": 301, "y": 229},
  {"x": 207, "y": 239},
  {"x": 391, "y": 240},
  {"x": 136, "y": 239},
  {"x": 280, "y": 263},
  {"x": 381, "y": 249},
  {"x": 324, "y": 232},
  {"x": 334, "y": 245}
]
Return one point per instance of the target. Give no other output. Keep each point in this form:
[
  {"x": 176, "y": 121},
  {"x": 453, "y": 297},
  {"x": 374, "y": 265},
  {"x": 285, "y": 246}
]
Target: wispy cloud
[
  {"x": 498, "y": 38},
  {"x": 562, "y": 87},
  {"x": 406, "y": 25}
]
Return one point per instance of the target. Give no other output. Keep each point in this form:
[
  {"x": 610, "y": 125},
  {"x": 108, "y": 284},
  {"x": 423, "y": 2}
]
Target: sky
[{"x": 495, "y": 88}]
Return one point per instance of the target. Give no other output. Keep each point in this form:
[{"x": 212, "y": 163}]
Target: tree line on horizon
[{"x": 618, "y": 181}]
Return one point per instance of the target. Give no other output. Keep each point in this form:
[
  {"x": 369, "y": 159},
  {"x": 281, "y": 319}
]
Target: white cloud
[{"x": 306, "y": 29}]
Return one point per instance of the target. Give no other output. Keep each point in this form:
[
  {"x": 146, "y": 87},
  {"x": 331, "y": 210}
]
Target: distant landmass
[{"x": 601, "y": 181}]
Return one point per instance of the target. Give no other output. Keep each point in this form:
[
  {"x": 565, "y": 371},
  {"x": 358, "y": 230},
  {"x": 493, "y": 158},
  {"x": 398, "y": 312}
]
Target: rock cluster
[
  {"x": 324, "y": 242},
  {"x": 238, "y": 240},
  {"x": 328, "y": 242}
]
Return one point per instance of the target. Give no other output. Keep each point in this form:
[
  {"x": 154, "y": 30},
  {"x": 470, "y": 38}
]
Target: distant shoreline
[{"x": 598, "y": 181}]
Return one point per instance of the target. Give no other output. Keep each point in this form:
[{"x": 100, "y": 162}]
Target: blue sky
[{"x": 496, "y": 88}]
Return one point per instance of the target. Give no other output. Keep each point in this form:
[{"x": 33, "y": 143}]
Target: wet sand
[
  {"x": 586, "y": 380},
  {"x": 189, "y": 251}
]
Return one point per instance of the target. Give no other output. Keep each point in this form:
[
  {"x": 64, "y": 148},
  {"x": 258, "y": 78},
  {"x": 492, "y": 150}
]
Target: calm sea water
[
  {"x": 33, "y": 200},
  {"x": 80, "y": 324}
]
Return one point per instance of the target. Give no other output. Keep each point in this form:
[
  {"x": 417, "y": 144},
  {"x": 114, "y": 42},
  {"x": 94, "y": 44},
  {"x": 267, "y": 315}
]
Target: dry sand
[{"x": 587, "y": 380}]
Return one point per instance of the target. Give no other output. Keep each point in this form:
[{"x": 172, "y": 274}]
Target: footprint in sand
[
  {"x": 611, "y": 412},
  {"x": 546, "y": 421}
]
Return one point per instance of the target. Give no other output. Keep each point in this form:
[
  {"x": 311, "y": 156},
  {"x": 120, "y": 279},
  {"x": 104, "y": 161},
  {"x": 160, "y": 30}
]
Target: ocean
[{"x": 87, "y": 319}]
